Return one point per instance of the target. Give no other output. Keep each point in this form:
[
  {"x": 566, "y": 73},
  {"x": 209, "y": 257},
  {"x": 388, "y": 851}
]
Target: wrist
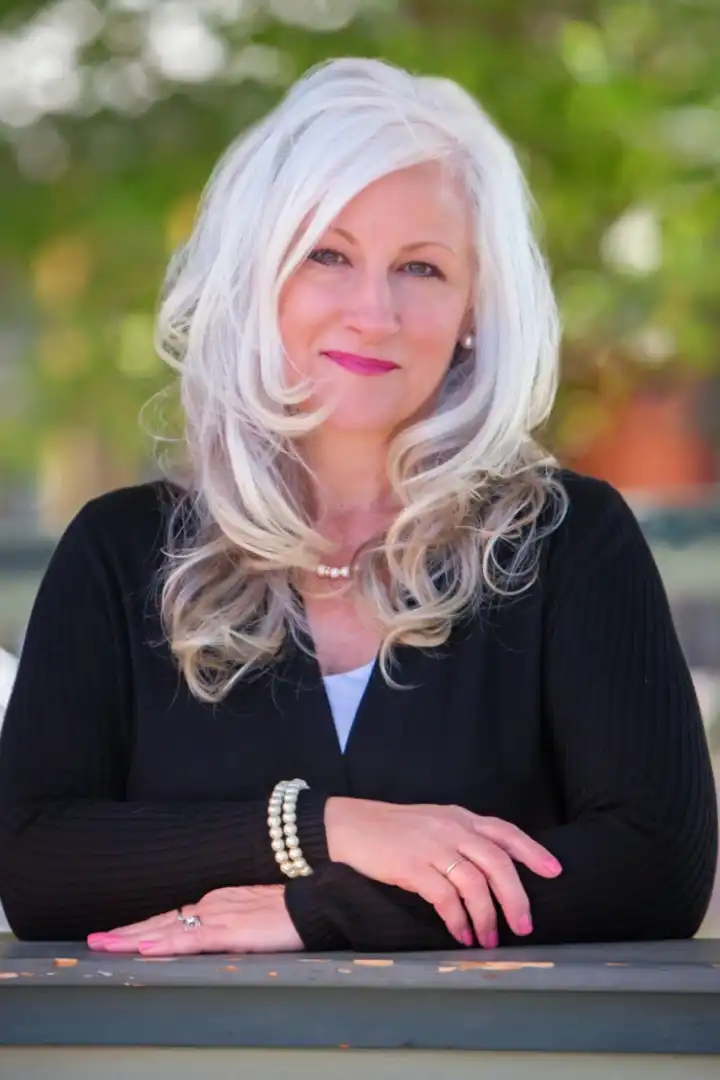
[
  {"x": 336, "y": 817},
  {"x": 289, "y": 939}
]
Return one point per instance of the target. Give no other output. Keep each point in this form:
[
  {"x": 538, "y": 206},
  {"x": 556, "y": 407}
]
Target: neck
[{"x": 349, "y": 475}]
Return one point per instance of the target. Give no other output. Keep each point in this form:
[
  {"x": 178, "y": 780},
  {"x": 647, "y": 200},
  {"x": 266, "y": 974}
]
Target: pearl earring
[{"x": 468, "y": 341}]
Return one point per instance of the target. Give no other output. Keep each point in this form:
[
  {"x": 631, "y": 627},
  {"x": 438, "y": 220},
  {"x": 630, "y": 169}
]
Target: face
[{"x": 375, "y": 311}]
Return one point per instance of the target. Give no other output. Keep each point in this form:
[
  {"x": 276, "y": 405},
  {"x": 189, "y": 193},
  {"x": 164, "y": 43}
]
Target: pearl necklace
[{"x": 333, "y": 572}]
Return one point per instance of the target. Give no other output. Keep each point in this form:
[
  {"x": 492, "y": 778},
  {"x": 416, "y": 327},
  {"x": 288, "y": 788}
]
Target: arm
[
  {"x": 74, "y": 856},
  {"x": 639, "y": 848}
]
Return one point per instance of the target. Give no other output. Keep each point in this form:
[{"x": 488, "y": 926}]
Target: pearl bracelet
[{"x": 282, "y": 822}]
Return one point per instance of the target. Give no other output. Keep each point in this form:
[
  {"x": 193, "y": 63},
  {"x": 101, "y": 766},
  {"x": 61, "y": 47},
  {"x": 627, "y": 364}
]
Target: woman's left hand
[{"x": 250, "y": 918}]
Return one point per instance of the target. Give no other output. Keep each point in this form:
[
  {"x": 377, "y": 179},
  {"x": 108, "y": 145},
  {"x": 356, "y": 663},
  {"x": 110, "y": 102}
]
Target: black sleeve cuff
[
  {"x": 337, "y": 908},
  {"x": 310, "y": 918},
  {"x": 310, "y": 812}
]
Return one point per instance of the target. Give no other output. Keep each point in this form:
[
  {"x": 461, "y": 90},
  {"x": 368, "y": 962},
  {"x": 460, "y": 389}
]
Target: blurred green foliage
[{"x": 113, "y": 113}]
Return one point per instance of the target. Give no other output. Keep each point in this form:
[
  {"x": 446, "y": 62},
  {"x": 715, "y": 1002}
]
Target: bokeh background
[{"x": 113, "y": 112}]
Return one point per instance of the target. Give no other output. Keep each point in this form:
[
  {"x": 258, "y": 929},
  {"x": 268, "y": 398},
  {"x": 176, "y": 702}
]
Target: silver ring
[
  {"x": 452, "y": 865},
  {"x": 190, "y": 922}
]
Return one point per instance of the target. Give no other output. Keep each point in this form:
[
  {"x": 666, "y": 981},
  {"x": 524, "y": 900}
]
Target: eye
[
  {"x": 425, "y": 270},
  {"x": 327, "y": 257}
]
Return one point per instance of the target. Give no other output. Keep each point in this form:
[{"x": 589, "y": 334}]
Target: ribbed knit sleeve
[
  {"x": 74, "y": 856},
  {"x": 639, "y": 842},
  {"x": 626, "y": 751}
]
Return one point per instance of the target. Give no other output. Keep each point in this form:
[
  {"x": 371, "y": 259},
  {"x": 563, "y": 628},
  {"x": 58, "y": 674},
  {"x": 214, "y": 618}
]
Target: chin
[
  {"x": 356, "y": 410},
  {"x": 370, "y": 421}
]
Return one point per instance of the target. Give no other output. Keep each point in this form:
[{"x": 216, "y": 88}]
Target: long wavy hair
[{"x": 476, "y": 492}]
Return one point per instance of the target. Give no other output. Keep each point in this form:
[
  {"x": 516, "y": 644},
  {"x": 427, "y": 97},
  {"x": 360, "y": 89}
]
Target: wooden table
[{"x": 627, "y": 1010}]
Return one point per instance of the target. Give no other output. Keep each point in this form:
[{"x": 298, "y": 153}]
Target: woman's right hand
[{"x": 413, "y": 846}]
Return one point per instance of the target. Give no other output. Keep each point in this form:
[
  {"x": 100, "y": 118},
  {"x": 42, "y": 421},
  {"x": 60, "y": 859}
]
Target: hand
[
  {"x": 251, "y": 918},
  {"x": 413, "y": 846}
]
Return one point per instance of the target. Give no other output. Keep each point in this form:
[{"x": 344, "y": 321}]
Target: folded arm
[
  {"x": 75, "y": 856},
  {"x": 639, "y": 842}
]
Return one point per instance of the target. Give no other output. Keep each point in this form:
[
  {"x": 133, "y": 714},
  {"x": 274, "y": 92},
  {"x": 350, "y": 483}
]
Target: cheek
[
  {"x": 305, "y": 308},
  {"x": 431, "y": 343},
  {"x": 431, "y": 319},
  {"x": 299, "y": 317}
]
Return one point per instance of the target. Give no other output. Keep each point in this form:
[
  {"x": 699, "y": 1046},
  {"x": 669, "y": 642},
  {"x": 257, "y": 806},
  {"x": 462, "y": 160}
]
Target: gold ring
[{"x": 452, "y": 865}]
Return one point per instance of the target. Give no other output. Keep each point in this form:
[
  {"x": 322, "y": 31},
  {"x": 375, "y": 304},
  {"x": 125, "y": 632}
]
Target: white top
[{"x": 344, "y": 692}]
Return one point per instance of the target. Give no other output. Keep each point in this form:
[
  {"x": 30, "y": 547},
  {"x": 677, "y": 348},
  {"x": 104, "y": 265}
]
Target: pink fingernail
[
  {"x": 525, "y": 924},
  {"x": 466, "y": 938},
  {"x": 97, "y": 938},
  {"x": 491, "y": 940},
  {"x": 553, "y": 866}
]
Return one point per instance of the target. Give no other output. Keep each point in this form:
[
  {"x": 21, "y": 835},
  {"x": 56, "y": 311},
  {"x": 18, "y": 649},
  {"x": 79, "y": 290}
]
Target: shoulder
[
  {"x": 594, "y": 507},
  {"x": 125, "y": 527},
  {"x": 141, "y": 505},
  {"x": 599, "y": 527},
  {"x": 108, "y": 557}
]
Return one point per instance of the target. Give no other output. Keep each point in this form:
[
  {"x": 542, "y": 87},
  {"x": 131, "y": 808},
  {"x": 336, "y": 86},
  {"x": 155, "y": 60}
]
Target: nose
[{"x": 371, "y": 305}]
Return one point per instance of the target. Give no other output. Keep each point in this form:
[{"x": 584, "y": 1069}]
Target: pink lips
[{"x": 361, "y": 365}]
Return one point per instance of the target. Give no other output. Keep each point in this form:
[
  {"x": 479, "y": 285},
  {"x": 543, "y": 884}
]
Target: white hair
[{"x": 470, "y": 479}]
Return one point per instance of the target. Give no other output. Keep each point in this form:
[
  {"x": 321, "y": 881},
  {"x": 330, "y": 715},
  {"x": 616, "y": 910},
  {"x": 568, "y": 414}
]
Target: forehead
[{"x": 430, "y": 191}]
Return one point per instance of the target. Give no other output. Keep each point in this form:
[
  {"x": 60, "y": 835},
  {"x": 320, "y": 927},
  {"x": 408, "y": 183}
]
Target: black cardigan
[{"x": 568, "y": 711}]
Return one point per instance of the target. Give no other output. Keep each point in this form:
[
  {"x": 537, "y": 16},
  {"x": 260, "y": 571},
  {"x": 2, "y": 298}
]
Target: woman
[{"x": 373, "y": 672}]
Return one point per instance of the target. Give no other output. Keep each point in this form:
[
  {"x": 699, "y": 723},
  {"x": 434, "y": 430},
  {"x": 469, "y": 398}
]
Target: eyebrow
[{"x": 406, "y": 247}]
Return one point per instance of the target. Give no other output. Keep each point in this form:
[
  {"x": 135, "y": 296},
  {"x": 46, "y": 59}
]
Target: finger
[
  {"x": 206, "y": 938},
  {"x": 154, "y": 922},
  {"x": 472, "y": 886},
  {"x": 518, "y": 845},
  {"x": 104, "y": 941},
  {"x": 501, "y": 875},
  {"x": 129, "y": 943},
  {"x": 116, "y": 943},
  {"x": 439, "y": 891}
]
